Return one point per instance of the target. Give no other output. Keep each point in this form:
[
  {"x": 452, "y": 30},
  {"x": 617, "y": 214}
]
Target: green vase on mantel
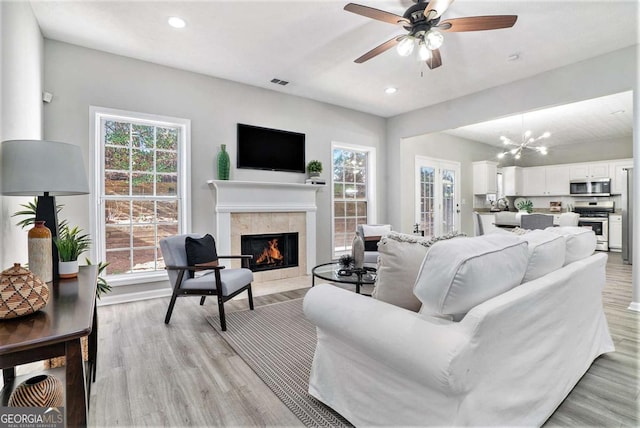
[{"x": 223, "y": 163}]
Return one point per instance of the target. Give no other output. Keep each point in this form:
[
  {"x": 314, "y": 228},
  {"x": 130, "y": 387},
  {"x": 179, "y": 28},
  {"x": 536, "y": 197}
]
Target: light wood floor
[{"x": 185, "y": 374}]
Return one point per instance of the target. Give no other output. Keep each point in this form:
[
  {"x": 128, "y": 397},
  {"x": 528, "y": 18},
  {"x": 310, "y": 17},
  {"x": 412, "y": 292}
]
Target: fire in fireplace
[{"x": 271, "y": 251}]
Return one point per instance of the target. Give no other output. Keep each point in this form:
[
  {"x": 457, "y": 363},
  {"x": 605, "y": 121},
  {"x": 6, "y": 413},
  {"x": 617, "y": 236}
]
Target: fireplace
[{"x": 271, "y": 251}]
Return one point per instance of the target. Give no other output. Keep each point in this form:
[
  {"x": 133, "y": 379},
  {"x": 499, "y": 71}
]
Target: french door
[{"x": 437, "y": 198}]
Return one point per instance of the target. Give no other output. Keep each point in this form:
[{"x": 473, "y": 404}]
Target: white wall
[
  {"x": 611, "y": 73},
  {"x": 80, "y": 77},
  {"x": 21, "y": 107},
  {"x": 444, "y": 147}
]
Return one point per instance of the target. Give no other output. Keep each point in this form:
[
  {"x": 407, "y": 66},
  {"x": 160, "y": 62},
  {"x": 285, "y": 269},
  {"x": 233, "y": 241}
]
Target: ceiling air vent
[{"x": 279, "y": 82}]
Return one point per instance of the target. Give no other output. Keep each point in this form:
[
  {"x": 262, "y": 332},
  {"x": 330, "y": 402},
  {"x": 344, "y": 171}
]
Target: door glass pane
[
  {"x": 427, "y": 194},
  {"x": 448, "y": 201}
]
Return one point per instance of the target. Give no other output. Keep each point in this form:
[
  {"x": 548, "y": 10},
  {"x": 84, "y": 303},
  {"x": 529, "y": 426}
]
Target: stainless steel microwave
[{"x": 591, "y": 186}]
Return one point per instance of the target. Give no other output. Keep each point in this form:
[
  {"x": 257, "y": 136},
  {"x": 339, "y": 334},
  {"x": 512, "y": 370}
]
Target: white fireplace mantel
[{"x": 253, "y": 196}]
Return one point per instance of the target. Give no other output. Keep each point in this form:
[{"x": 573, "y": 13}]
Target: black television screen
[{"x": 270, "y": 149}]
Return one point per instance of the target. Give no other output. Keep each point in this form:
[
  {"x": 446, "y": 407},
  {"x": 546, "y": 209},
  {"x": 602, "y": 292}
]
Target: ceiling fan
[{"x": 422, "y": 21}]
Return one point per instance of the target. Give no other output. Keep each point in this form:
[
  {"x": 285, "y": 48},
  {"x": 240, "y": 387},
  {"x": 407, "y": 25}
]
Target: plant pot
[{"x": 68, "y": 269}]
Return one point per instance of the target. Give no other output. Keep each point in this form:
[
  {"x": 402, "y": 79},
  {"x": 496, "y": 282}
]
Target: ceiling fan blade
[
  {"x": 435, "y": 8},
  {"x": 436, "y": 60},
  {"x": 478, "y": 23},
  {"x": 379, "y": 49},
  {"x": 378, "y": 14}
]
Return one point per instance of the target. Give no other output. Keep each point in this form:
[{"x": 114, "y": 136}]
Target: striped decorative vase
[
  {"x": 223, "y": 163},
  {"x": 38, "y": 391},
  {"x": 40, "y": 259}
]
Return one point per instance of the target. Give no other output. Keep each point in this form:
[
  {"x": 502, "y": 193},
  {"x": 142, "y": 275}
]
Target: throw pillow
[
  {"x": 400, "y": 258},
  {"x": 201, "y": 252},
  {"x": 580, "y": 242},
  {"x": 546, "y": 253},
  {"x": 458, "y": 274}
]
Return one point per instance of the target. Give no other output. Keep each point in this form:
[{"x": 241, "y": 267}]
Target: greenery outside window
[
  {"x": 142, "y": 190},
  {"x": 352, "y": 203}
]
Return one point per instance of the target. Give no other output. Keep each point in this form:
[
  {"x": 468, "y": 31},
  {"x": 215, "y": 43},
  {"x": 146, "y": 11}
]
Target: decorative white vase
[
  {"x": 68, "y": 269},
  {"x": 357, "y": 252}
]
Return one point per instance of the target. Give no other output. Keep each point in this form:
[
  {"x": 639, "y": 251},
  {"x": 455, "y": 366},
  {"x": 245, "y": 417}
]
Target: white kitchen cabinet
[
  {"x": 534, "y": 181},
  {"x": 484, "y": 177},
  {"x": 618, "y": 177},
  {"x": 557, "y": 180},
  {"x": 589, "y": 170},
  {"x": 615, "y": 232},
  {"x": 512, "y": 180}
]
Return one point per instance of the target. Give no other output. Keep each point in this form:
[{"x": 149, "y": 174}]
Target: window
[
  {"x": 352, "y": 168},
  {"x": 141, "y": 188}
]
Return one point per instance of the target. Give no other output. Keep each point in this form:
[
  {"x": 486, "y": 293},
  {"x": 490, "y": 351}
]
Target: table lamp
[{"x": 45, "y": 169}]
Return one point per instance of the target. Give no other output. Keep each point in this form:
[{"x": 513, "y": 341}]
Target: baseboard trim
[
  {"x": 634, "y": 306},
  {"x": 134, "y": 297}
]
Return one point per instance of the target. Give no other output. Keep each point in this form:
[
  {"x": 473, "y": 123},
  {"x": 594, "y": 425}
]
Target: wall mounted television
[{"x": 270, "y": 149}]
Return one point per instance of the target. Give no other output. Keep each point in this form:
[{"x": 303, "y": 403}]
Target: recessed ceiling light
[
  {"x": 617, "y": 112},
  {"x": 176, "y": 22},
  {"x": 390, "y": 90},
  {"x": 513, "y": 57}
]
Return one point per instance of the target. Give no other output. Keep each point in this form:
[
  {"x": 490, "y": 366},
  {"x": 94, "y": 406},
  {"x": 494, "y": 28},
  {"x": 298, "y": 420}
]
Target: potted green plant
[
  {"x": 314, "y": 168},
  {"x": 525, "y": 206},
  {"x": 71, "y": 243}
]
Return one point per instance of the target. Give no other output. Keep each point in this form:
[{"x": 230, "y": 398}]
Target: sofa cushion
[
  {"x": 546, "y": 253},
  {"x": 580, "y": 242},
  {"x": 400, "y": 258},
  {"x": 458, "y": 274}
]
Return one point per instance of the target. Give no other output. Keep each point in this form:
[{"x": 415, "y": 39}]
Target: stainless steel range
[{"x": 596, "y": 216}]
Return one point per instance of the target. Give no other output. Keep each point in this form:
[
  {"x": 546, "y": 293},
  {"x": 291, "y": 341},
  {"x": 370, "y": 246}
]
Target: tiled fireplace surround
[{"x": 244, "y": 207}]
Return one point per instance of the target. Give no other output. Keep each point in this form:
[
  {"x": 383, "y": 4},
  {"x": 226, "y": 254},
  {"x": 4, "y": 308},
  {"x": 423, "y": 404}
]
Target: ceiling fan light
[
  {"x": 527, "y": 134},
  {"x": 423, "y": 52},
  {"x": 546, "y": 135},
  {"x": 433, "y": 39},
  {"x": 500, "y": 155},
  {"x": 513, "y": 151},
  {"x": 517, "y": 156},
  {"x": 405, "y": 47}
]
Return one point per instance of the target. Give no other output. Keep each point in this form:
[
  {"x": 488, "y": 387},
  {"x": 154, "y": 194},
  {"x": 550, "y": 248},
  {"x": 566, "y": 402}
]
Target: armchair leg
[
  {"x": 202, "y": 300},
  {"x": 223, "y": 321},
  {"x": 250, "y": 297},
  {"x": 170, "y": 309}
]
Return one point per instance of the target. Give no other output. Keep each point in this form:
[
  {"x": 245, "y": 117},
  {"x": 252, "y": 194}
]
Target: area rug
[{"x": 278, "y": 343}]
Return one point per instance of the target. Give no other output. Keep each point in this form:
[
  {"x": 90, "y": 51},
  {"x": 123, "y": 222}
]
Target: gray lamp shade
[{"x": 33, "y": 167}]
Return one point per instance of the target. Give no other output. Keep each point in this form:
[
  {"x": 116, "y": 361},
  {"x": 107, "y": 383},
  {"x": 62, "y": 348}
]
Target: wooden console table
[{"x": 53, "y": 332}]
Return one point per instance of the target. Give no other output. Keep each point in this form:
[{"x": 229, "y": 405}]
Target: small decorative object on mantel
[
  {"x": 224, "y": 163},
  {"x": 357, "y": 252},
  {"x": 38, "y": 391},
  {"x": 40, "y": 260},
  {"x": 21, "y": 292},
  {"x": 314, "y": 168}
]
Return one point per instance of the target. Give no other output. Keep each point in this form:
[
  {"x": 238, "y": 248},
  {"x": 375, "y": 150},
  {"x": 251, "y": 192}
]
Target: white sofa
[{"x": 511, "y": 358}]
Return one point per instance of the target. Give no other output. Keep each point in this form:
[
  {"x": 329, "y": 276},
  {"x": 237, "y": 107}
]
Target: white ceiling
[
  {"x": 599, "y": 119},
  {"x": 313, "y": 43}
]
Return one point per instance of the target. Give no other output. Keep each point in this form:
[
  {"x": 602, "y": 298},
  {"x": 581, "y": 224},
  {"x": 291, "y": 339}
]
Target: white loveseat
[{"x": 511, "y": 358}]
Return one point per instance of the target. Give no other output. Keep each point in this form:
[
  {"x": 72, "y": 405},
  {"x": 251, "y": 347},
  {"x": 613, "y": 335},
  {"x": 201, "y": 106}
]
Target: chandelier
[{"x": 515, "y": 149}]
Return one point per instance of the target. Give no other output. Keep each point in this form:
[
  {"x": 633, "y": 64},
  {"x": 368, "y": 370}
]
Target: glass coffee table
[{"x": 334, "y": 272}]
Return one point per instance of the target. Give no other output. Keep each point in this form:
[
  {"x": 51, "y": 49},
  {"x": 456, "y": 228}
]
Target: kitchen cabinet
[
  {"x": 615, "y": 232},
  {"x": 545, "y": 181},
  {"x": 512, "y": 181},
  {"x": 534, "y": 181},
  {"x": 618, "y": 177},
  {"x": 589, "y": 170},
  {"x": 484, "y": 177},
  {"x": 557, "y": 180}
]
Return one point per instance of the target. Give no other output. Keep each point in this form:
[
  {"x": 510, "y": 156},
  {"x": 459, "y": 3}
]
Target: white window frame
[
  {"x": 371, "y": 186},
  {"x": 98, "y": 250},
  {"x": 438, "y": 164}
]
